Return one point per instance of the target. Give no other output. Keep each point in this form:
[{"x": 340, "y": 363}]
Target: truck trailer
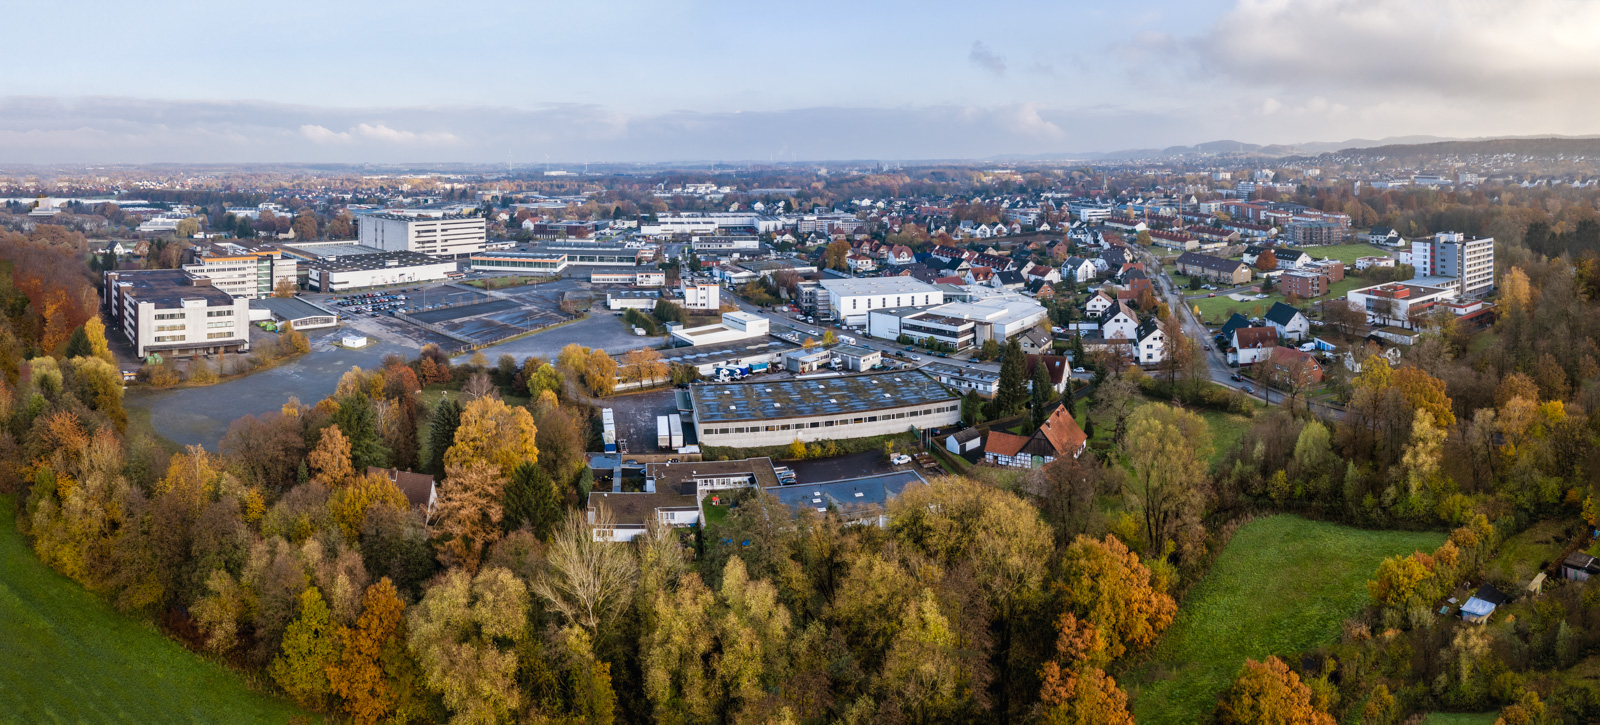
[
  {"x": 675, "y": 427},
  {"x": 663, "y": 437}
]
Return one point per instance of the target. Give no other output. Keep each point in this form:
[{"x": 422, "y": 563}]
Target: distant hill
[
  {"x": 1546, "y": 146},
  {"x": 1224, "y": 148}
]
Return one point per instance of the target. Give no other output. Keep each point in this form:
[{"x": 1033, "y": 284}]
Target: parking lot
[{"x": 636, "y": 418}]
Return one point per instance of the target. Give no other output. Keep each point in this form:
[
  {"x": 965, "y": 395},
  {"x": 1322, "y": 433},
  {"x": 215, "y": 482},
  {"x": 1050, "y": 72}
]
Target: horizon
[{"x": 406, "y": 84}]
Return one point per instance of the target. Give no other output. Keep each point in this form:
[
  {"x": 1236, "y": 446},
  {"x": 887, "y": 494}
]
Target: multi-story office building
[
  {"x": 1470, "y": 262},
  {"x": 251, "y": 273},
  {"x": 173, "y": 312},
  {"x": 433, "y": 233},
  {"x": 701, "y": 297}
]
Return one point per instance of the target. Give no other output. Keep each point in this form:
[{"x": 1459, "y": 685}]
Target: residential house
[
  {"x": 1216, "y": 269},
  {"x": 1292, "y": 324},
  {"x": 1136, "y": 283},
  {"x": 1253, "y": 252},
  {"x": 1150, "y": 342},
  {"x": 1370, "y": 262},
  {"x": 859, "y": 262},
  {"x": 1079, "y": 270},
  {"x": 1384, "y": 236},
  {"x": 1119, "y": 322},
  {"x": 1291, "y": 257},
  {"x": 1235, "y": 322},
  {"x": 1178, "y": 240},
  {"x": 1058, "y": 437},
  {"x": 1049, "y": 274},
  {"x": 980, "y": 275},
  {"x": 1035, "y": 340},
  {"x": 1098, "y": 303},
  {"x": 1266, "y": 261},
  {"x": 1059, "y": 368},
  {"x": 1253, "y": 344},
  {"x": 899, "y": 255},
  {"x": 1009, "y": 279},
  {"x": 1288, "y": 361},
  {"x": 419, "y": 488}
]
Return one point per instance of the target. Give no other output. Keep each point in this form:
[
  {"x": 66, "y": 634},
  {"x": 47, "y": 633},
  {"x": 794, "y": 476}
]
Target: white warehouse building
[
  {"x": 851, "y": 300},
  {"x": 356, "y": 271},
  {"x": 777, "y": 412}
]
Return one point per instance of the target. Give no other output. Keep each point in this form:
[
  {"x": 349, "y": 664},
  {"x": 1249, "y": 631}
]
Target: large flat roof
[
  {"x": 169, "y": 287},
  {"x": 290, "y": 308},
  {"x": 703, "y": 354},
  {"x": 670, "y": 477},
  {"x": 847, "y": 495},
  {"x": 805, "y": 398},
  {"x": 877, "y": 286},
  {"x": 329, "y": 249},
  {"x": 381, "y": 260}
]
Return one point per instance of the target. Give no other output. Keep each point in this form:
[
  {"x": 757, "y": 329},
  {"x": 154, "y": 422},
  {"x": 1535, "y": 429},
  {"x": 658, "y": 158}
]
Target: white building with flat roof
[
  {"x": 434, "y": 234},
  {"x": 735, "y": 326},
  {"x": 701, "y": 297},
  {"x": 1470, "y": 261},
  {"x": 173, "y": 312},
  {"x": 852, "y": 300}
]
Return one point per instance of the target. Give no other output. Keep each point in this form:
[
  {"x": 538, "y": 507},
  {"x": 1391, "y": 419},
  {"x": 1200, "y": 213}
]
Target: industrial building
[
  {"x": 173, "y": 312},
  {"x": 651, "y": 278},
  {"x": 734, "y": 326},
  {"x": 643, "y": 300},
  {"x": 551, "y": 260},
  {"x": 851, "y": 300},
  {"x": 960, "y": 324},
  {"x": 744, "y": 353},
  {"x": 863, "y": 500},
  {"x": 772, "y": 413},
  {"x": 248, "y": 272},
  {"x": 433, "y": 233},
  {"x": 357, "y": 271},
  {"x": 701, "y": 296},
  {"x": 293, "y": 311}
]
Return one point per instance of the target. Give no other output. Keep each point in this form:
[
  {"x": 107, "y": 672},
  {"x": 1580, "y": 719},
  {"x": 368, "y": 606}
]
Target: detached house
[
  {"x": 859, "y": 262},
  {"x": 1254, "y": 344},
  {"x": 1290, "y": 323},
  {"x": 900, "y": 255},
  {"x": 1058, "y": 367},
  {"x": 1120, "y": 322},
  {"x": 1059, "y": 437},
  {"x": 1150, "y": 342},
  {"x": 1079, "y": 270}
]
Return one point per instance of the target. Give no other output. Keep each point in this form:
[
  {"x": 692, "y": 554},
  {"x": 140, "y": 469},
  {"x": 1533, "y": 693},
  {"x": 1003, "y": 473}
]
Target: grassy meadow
[
  {"x": 1283, "y": 585},
  {"x": 70, "y": 658}
]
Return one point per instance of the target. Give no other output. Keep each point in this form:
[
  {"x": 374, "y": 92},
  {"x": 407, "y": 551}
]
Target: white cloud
[
  {"x": 385, "y": 134},
  {"x": 1529, "y": 49},
  {"x": 322, "y": 134}
]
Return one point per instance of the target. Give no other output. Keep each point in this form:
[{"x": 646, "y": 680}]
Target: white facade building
[
  {"x": 435, "y": 234},
  {"x": 172, "y": 312},
  {"x": 1452, "y": 254},
  {"x": 851, "y": 300},
  {"x": 701, "y": 297}
]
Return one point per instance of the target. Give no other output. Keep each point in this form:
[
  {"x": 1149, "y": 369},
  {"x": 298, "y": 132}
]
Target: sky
[{"x": 534, "y": 82}]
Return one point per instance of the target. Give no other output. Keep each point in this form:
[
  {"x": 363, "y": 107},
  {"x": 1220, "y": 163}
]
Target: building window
[
  {"x": 219, "y": 313},
  {"x": 218, "y": 335},
  {"x": 169, "y": 338},
  {"x": 170, "y": 316}
]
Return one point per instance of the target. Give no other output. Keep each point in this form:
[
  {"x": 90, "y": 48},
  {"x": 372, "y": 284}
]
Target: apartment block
[
  {"x": 432, "y": 233},
  {"x": 1469, "y": 262}
]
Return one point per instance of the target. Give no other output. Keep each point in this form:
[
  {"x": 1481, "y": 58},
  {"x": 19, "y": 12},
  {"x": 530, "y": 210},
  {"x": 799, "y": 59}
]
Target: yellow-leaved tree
[{"x": 494, "y": 433}]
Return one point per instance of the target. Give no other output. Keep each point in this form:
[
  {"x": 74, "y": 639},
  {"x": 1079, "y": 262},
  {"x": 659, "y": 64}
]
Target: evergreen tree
[
  {"x": 972, "y": 408},
  {"x": 1043, "y": 392},
  {"x": 1013, "y": 388},
  {"x": 531, "y": 500},
  {"x": 446, "y": 418},
  {"x": 1077, "y": 350},
  {"x": 358, "y": 422},
  {"x": 78, "y": 345}
]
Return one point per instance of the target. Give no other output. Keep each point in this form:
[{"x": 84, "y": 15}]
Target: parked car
[
  {"x": 1248, "y": 389},
  {"x": 1236, "y": 377},
  {"x": 1079, "y": 371},
  {"x": 900, "y": 459}
]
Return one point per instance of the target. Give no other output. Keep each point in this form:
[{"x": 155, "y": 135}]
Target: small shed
[
  {"x": 1536, "y": 587},
  {"x": 1482, "y": 604},
  {"x": 1579, "y": 566},
  {"x": 963, "y": 440}
]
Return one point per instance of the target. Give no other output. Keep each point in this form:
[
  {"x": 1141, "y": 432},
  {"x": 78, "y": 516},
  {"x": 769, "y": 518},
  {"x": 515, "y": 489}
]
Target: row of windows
[
  {"x": 170, "y": 338},
  {"x": 169, "y": 328},
  {"x": 774, "y": 427},
  {"x": 218, "y": 335},
  {"x": 220, "y": 313},
  {"x": 169, "y": 315},
  {"x": 216, "y": 325}
]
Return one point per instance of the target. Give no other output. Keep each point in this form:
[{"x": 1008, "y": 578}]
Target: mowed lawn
[
  {"x": 1214, "y": 310},
  {"x": 1283, "y": 586},
  {"x": 71, "y": 658}
]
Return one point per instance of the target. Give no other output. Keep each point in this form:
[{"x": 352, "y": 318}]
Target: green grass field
[
  {"x": 1283, "y": 585},
  {"x": 1226, "y": 428},
  {"x": 1461, "y": 718},
  {"x": 1524, "y": 554},
  {"x": 1214, "y": 310},
  {"x": 71, "y": 658}
]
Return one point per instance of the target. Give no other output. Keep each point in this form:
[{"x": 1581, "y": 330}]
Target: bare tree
[{"x": 587, "y": 577}]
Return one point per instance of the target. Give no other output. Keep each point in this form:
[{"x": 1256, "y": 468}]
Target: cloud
[
  {"x": 128, "y": 130},
  {"x": 986, "y": 59},
  {"x": 1529, "y": 49}
]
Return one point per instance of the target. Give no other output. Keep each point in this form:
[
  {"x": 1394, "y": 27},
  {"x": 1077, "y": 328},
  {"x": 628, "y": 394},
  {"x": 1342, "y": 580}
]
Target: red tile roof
[{"x": 1004, "y": 444}]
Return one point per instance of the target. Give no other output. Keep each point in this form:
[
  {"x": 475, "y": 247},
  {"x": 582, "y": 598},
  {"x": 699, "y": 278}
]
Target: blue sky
[{"x": 682, "y": 80}]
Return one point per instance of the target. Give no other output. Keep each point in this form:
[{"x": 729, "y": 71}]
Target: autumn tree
[
  {"x": 834, "y": 256},
  {"x": 283, "y": 288},
  {"x": 349, "y": 504},
  {"x": 643, "y": 366},
  {"x": 359, "y": 677},
  {"x": 330, "y": 460},
  {"x": 1107, "y": 586},
  {"x": 1115, "y": 398},
  {"x": 495, "y": 433},
  {"x": 464, "y": 633},
  {"x": 469, "y": 512},
  {"x": 309, "y": 648},
  {"x": 599, "y": 372},
  {"x": 1269, "y": 693},
  {"x": 1167, "y": 448},
  {"x": 1074, "y": 689}
]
